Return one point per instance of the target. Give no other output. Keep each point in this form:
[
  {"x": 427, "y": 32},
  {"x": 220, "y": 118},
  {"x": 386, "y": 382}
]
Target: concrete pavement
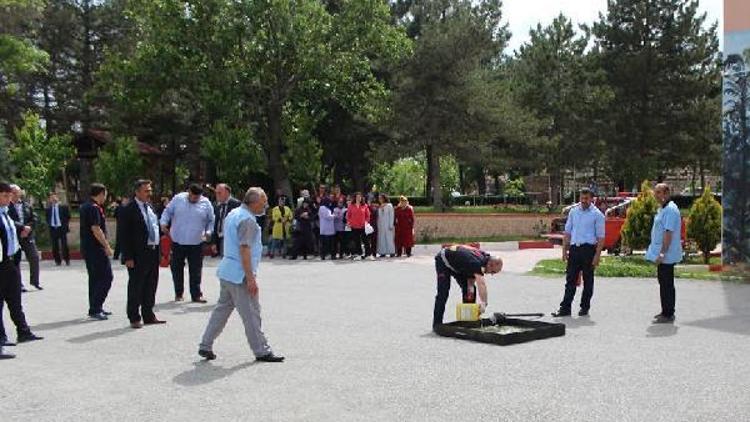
[{"x": 359, "y": 347}]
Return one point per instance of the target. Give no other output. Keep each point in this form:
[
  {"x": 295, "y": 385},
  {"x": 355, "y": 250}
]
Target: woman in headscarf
[
  {"x": 404, "y": 227},
  {"x": 385, "y": 232},
  {"x": 302, "y": 232}
]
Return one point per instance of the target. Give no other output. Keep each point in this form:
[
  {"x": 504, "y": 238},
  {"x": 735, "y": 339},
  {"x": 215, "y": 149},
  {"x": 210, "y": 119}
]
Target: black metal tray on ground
[{"x": 470, "y": 331}]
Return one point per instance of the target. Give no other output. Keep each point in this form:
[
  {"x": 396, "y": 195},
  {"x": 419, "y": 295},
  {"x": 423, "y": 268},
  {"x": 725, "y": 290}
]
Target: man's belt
[{"x": 445, "y": 261}]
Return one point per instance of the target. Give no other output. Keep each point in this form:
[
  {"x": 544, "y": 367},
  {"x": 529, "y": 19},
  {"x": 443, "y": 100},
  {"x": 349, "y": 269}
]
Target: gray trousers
[
  {"x": 236, "y": 296},
  {"x": 28, "y": 247}
]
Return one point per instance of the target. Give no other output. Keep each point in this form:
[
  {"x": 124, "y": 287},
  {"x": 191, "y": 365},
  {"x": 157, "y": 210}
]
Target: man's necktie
[
  {"x": 56, "y": 216},
  {"x": 222, "y": 214},
  {"x": 150, "y": 225}
]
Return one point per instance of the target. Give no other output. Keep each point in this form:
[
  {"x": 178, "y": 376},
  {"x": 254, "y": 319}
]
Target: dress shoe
[
  {"x": 561, "y": 313},
  {"x": 207, "y": 354},
  {"x": 199, "y": 300},
  {"x": 4, "y": 356},
  {"x": 270, "y": 358},
  {"x": 100, "y": 316},
  {"x": 107, "y": 313},
  {"x": 24, "y": 289},
  {"x": 662, "y": 319},
  {"x": 38, "y": 287},
  {"x": 136, "y": 325},
  {"x": 27, "y": 337},
  {"x": 5, "y": 342},
  {"x": 583, "y": 312},
  {"x": 154, "y": 322},
  {"x": 179, "y": 298}
]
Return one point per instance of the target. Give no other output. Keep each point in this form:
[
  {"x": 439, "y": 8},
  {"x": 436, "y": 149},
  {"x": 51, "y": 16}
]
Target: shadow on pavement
[
  {"x": 204, "y": 372},
  {"x": 575, "y": 322},
  {"x": 168, "y": 306},
  {"x": 61, "y": 324},
  {"x": 662, "y": 330},
  {"x": 100, "y": 335},
  {"x": 737, "y": 321}
]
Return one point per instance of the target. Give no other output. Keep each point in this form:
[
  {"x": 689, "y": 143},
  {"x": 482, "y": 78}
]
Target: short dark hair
[
  {"x": 586, "y": 191},
  {"x": 97, "y": 189},
  {"x": 5, "y": 187},
  {"x": 195, "y": 189},
  {"x": 140, "y": 183},
  {"x": 385, "y": 197}
]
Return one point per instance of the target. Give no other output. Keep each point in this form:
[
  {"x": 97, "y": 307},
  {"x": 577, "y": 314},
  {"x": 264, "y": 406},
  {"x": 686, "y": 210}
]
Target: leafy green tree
[
  {"x": 704, "y": 224},
  {"x": 38, "y": 157},
  {"x": 636, "y": 232},
  {"x": 6, "y": 168},
  {"x": 554, "y": 77},
  {"x": 236, "y": 154},
  {"x": 446, "y": 101},
  {"x": 658, "y": 56},
  {"x": 405, "y": 176},
  {"x": 119, "y": 164}
]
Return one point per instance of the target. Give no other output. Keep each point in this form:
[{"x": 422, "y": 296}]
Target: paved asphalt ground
[{"x": 359, "y": 347}]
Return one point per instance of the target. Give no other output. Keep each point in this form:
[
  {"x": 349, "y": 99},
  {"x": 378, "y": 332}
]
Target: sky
[{"x": 522, "y": 15}]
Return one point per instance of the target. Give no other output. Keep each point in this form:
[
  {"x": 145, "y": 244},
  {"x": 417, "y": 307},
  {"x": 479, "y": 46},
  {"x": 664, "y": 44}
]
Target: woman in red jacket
[
  {"x": 404, "y": 227},
  {"x": 357, "y": 216}
]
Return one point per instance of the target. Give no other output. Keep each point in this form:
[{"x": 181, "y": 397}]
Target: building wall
[{"x": 736, "y": 126}]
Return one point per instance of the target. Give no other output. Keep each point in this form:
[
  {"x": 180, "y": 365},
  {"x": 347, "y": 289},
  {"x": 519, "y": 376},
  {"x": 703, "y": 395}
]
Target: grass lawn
[{"x": 635, "y": 266}]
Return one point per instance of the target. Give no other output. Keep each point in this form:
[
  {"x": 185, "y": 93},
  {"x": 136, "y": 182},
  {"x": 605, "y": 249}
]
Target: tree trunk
[
  {"x": 276, "y": 166},
  {"x": 555, "y": 186},
  {"x": 437, "y": 192},
  {"x": 428, "y": 186},
  {"x": 481, "y": 181}
]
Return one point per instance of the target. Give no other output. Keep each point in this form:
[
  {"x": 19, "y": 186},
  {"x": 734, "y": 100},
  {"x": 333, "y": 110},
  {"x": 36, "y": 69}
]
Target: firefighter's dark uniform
[{"x": 461, "y": 263}]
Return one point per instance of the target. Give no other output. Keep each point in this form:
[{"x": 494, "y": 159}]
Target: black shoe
[
  {"x": 67, "y": 263},
  {"x": 4, "y": 356},
  {"x": 270, "y": 358},
  {"x": 24, "y": 289},
  {"x": 199, "y": 300},
  {"x": 27, "y": 337},
  {"x": 4, "y": 342},
  {"x": 154, "y": 321},
  {"x": 663, "y": 319},
  {"x": 37, "y": 286},
  {"x": 561, "y": 313},
  {"x": 207, "y": 354},
  {"x": 107, "y": 313},
  {"x": 100, "y": 316},
  {"x": 583, "y": 312}
]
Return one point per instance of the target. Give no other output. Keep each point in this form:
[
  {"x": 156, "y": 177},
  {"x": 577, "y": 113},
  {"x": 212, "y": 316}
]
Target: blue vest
[{"x": 230, "y": 268}]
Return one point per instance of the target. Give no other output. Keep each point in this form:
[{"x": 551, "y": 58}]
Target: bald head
[{"x": 494, "y": 265}]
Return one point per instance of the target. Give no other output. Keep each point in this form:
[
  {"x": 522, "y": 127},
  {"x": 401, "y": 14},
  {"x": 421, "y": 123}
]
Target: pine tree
[
  {"x": 704, "y": 226},
  {"x": 636, "y": 232}
]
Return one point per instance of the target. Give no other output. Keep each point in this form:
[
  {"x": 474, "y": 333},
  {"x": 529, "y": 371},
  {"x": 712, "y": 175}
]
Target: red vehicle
[{"x": 615, "y": 209}]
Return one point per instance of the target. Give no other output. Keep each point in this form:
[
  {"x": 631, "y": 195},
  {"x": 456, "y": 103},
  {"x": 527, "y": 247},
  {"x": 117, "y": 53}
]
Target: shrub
[
  {"x": 704, "y": 226},
  {"x": 636, "y": 232}
]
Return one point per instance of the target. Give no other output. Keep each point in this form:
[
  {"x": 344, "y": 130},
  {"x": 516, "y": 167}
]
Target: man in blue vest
[{"x": 237, "y": 273}]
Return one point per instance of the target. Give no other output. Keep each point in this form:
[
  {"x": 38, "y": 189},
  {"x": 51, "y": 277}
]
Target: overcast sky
[{"x": 522, "y": 15}]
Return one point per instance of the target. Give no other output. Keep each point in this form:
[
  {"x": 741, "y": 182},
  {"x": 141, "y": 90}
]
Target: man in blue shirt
[
  {"x": 238, "y": 272},
  {"x": 582, "y": 250},
  {"x": 189, "y": 221},
  {"x": 665, "y": 250}
]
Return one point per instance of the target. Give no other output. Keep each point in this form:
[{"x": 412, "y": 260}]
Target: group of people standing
[{"x": 338, "y": 226}]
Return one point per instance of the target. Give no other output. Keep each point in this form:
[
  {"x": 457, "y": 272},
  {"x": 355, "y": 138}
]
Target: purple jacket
[{"x": 326, "y": 221}]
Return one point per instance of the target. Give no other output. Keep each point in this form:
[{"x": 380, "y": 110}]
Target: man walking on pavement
[
  {"x": 582, "y": 250},
  {"x": 238, "y": 272},
  {"x": 189, "y": 221}
]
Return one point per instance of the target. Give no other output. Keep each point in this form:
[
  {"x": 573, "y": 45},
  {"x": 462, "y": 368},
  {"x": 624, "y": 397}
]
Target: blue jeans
[{"x": 277, "y": 245}]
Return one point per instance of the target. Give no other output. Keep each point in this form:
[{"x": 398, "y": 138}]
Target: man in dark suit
[
  {"x": 10, "y": 284},
  {"x": 140, "y": 251},
  {"x": 25, "y": 218},
  {"x": 224, "y": 204},
  {"x": 58, "y": 221}
]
